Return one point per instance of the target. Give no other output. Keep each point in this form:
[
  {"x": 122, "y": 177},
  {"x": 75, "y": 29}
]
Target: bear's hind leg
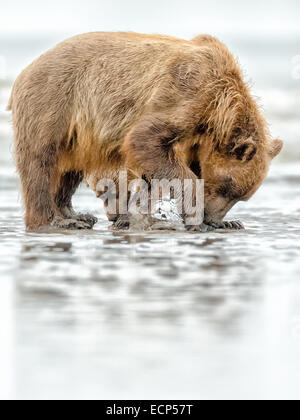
[
  {"x": 37, "y": 181},
  {"x": 68, "y": 185}
]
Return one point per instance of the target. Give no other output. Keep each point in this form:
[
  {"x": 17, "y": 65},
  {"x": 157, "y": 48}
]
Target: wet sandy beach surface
[{"x": 107, "y": 314}]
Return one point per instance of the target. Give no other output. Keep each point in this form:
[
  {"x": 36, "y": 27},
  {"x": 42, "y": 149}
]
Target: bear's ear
[
  {"x": 204, "y": 39},
  {"x": 243, "y": 150},
  {"x": 275, "y": 148}
]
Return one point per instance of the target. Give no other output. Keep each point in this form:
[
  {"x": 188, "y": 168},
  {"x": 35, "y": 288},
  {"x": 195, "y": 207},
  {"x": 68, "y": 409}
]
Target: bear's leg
[
  {"x": 150, "y": 147},
  {"x": 120, "y": 221},
  {"x": 68, "y": 185},
  {"x": 118, "y": 192},
  {"x": 38, "y": 184},
  {"x": 37, "y": 179}
]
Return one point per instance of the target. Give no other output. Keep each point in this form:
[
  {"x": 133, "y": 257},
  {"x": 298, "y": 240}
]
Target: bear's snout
[{"x": 216, "y": 209}]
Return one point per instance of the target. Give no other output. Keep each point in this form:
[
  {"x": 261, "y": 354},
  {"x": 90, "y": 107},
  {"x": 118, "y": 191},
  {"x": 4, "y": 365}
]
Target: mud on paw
[
  {"x": 88, "y": 219},
  {"x": 122, "y": 223},
  {"x": 235, "y": 225},
  {"x": 70, "y": 224}
]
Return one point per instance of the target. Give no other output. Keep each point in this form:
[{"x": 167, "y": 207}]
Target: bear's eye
[
  {"x": 201, "y": 129},
  {"x": 195, "y": 167},
  {"x": 237, "y": 132}
]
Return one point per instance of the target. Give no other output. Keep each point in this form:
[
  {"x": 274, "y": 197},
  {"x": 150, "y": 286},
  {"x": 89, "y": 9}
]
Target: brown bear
[{"x": 156, "y": 106}]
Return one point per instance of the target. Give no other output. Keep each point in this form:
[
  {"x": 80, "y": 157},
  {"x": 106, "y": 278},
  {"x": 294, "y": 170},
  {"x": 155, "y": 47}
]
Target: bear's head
[{"x": 234, "y": 167}]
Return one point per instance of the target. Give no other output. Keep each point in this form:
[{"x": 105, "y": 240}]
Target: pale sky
[{"x": 177, "y": 17}]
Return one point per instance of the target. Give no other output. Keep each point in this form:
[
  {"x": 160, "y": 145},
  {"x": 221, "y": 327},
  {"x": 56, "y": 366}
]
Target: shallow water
[{"x": 107, "y": 314}]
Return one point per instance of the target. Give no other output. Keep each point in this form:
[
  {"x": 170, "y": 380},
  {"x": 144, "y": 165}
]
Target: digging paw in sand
[
  {"x": 197, "y": 228},
  {"x": 236, "y": 225},
  {"x": 88, "y": 219},
  {"x": 70, "y": 224},
  {"x": 122, "y": 223}
]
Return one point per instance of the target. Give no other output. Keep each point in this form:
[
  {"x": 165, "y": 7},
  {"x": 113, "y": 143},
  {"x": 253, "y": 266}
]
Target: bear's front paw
[
  {"x": 87, "y": 218},
  {"x": 193, "y": 228},
  {"x": 199, "y": 228},
  {"x": 70, "y": 224},
  {"x": 122, "y": 223},
  {"x": 235, "y": 225}
]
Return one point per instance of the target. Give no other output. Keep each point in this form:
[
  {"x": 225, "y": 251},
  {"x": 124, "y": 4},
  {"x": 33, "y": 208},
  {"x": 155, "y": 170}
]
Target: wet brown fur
[{"x": 155, "y": 105}]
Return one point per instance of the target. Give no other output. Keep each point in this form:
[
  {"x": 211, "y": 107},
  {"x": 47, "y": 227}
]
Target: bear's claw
[
  {"x": 70, "y": 224},
  {"x": 236, "y": 225},
  {"x": 87, "y": 218},
  {"x": 122, "y": 223}
]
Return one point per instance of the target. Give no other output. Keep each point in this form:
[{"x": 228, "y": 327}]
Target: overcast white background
[{"x": 176, "y": 17}]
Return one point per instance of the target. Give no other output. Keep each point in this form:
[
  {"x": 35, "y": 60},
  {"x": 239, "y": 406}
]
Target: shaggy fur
[{"x": 157, "y": 106}]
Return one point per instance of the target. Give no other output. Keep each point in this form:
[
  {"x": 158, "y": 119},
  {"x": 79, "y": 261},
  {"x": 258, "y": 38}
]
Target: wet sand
[{"x": 107, "y": 314}]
